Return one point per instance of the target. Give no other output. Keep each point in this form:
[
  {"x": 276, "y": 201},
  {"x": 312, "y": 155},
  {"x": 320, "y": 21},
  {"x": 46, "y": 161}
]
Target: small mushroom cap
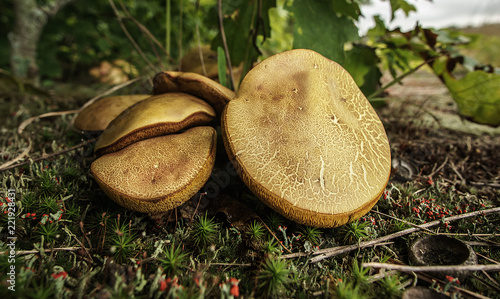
[
  {"x": 158, "y": 174},
  {"x": 306, "y": 141},
  {"x": 200, "y": 86},
  {"x": 158, "y": 115},
  {"x": 99, "y": 114}
]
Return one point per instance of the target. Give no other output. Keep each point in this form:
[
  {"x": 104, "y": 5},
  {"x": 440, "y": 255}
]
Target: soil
[{"x": 430, "y": 140}]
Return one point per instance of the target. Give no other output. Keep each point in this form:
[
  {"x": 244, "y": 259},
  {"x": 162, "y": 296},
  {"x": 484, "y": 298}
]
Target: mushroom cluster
[{"x": 300, "y": 133}]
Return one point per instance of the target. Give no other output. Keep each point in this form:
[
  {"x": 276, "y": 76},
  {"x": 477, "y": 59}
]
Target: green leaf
[
  {"x": 401, "y": 4},
  {"x": 222, "y": 63},
  {"x": 241, "y": 26},
  {"x": 361, "y": 62},
  {"x": 347, "y": 8},
  {"x": 477, "y": 96},
  {"x": 379, "y": 30},
  {"x": 317, "y": 27}
]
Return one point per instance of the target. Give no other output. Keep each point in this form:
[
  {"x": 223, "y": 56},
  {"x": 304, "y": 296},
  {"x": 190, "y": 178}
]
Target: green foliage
[
  {"x": 174, "y": 259},
  {"x": 391, "y": 286},
  {"x": 270, "y": 247},
  {"x": 311, "y": 234},
  {"x": 348, "y": 291},
  {"x": 477, "y": 95},
  {"x": 355, "y": 231},
  {"x": 359, "y": 274},
  {"x": 49, "y": 232},
  {"x": 204, "y": 230},
  {"x": 274, "y": 220},
  {"x": 273, "y": 276},
  {"x": 244, "y": 22},
  {"x": 308, "y": 34},
  {"x": 255, "y": 231},
  {"x": 121, "y": 241},
  {"x": 403, "y": 5}
]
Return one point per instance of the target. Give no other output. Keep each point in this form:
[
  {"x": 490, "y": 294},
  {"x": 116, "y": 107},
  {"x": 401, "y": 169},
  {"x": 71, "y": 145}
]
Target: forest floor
[{"x": 72, "y": 241}]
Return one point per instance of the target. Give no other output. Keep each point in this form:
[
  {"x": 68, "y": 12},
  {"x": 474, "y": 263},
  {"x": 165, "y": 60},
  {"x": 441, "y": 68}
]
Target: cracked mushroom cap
[
  {"x": 158, "y": 115},
  {"x": 158, "y": 174},
  {"x": 200, "y": 86},
  {"x": 99, "y": 114},
  {"x": 306, "y": 140}
]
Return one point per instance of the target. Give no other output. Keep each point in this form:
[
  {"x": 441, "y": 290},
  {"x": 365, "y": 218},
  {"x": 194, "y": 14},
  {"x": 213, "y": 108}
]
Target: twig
[
  {"x": 25, "y": 123},
  {"x": 224, "y": 42},
  {"x": 405, "y": 268},
  {"x": 404, "y": 221},
  {"x": 130, "y": 38},
  {"x": 230, "y": 264},
  {"x": 328, "y": 252},
  {"x": 494, "y": 185},
  {"x": 454, "y": 168},
  {"x": 302, "y": 254},
  {"x": 430, "y": 279},
  {"x": 9, "y": 164},
  {"x": 23, "y": 252},
  {"x": 107, "y": 92},
  {"x": 45, "y": 157},
  {"x": 487, "y": 258},
  {"x": 398, "y": 79},
  {"x": 439, "y": 168},
  {"x": 271, "y": 232}
]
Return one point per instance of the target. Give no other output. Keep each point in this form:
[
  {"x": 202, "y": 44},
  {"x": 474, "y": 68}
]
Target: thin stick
[
  {"x": 107, "y": 92},
  {"x": 23, "y": 252},
  {"x": 328, "y": 252},
  {"x": 430, "y": 279},
  {"x": 271, "y": 232},
  {"x": 224, "y": 42},
  {"x": 10, "y": 164},
  {"x": 230, "y": 264},
  {"x": 130, "y": 38},
  {"x": 398, "y": 79},
  {"x": 404, "y": 221},
  {"x": 45, "y": 157},
  {"x": 405, "y": 268},
  {"x": 439, "y": 168}
]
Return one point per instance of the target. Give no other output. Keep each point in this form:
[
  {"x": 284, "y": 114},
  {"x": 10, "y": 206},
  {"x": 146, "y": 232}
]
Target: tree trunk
[{"x": 30, "y": 20}]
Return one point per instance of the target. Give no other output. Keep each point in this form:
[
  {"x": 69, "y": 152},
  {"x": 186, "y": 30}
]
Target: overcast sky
[{"x": 436, "y": 14}]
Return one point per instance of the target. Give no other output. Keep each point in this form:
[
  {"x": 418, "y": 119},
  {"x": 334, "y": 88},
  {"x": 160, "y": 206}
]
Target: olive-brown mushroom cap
[
  {"x": 200, "y": 86},
  {"x": 158, "y": 115},
  {"x": 306, "y": 141},
  {"x": 158, "y": 174},
  {"x": 99, "y": 114}
]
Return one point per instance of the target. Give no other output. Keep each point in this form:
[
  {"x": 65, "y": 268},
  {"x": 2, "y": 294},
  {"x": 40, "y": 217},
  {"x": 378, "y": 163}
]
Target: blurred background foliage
[{"x": 84, "y": 34}]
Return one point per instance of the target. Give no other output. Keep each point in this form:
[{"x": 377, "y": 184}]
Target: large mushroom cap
[
  {"x": 158, "y": 115},
  {"x": 158, "y": 174},
  {"x": 99, "y": 114},
  {"x": 306, "y": 140},
  {"x": 209, "y": 90}
]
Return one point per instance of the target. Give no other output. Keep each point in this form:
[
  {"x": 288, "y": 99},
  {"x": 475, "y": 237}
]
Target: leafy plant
[
  {"x": 48, "y": 204},
  {"x": 311, "y": 234},
  {"x": 255, "y": 231},
  {"x": 49, "y": 231},
  {"x": 121, "y": 241},
  {"x": 274, "y": 220},
  {"x": 391, "y": 286},
  {"x": 174, "y": 259},
  {"x": 273, "y": 276},
  {"x": 355, "y": 231},
  {"x": 345, "y": 290},
  {"x": 204, "y": 230},
  {"x": 270, "y": 247}
]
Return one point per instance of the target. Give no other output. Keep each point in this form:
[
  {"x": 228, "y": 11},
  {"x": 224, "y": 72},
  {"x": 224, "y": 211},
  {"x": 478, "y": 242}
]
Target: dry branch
[
  {"x": 404, "y": 268},
  {"x": 329, "y": 252}
]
